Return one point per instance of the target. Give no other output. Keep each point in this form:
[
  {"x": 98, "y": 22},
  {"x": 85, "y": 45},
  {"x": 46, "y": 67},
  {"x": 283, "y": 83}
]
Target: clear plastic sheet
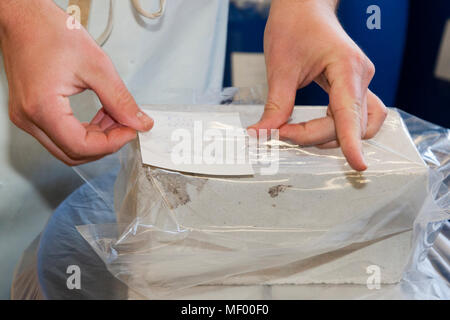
[{"x": 314, "y": 222}]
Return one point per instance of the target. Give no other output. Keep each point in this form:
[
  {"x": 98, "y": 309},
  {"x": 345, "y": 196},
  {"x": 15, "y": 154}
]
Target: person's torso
[{"x": 182, "y": 49}]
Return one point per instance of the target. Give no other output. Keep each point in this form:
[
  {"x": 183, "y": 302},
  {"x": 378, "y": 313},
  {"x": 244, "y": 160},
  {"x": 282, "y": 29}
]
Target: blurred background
[{"x": 411, "y": 52}]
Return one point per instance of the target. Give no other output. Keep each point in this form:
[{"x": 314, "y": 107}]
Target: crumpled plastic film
[{"x": 314, "y": 222}]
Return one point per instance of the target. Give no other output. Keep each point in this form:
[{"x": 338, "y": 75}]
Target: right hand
[
  {"x": 45, "y": 64},
  {"x": 304, "y": 42}
]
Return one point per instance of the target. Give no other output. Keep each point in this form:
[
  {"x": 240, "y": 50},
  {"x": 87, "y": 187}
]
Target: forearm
[
  {"x": 302, "y": 16},
  {"x": 328, "y": 4},
  {"x": 6, "y": 7},
  {"x": 13, "y": 13}
]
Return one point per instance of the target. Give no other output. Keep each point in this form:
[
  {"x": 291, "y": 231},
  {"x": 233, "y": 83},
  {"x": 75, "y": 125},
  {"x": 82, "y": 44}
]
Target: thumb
[
  {"x": 117, "y": 101},
  {"x": 280, "y": 102}
]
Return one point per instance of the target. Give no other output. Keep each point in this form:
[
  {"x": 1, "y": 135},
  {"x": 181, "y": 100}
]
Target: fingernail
[
  {"x": 145, "y": 119},
  {"x": 364, "y": 162}
]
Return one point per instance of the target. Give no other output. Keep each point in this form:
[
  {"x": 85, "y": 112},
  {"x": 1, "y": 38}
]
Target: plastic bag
[{"x": 163, "y": 244}]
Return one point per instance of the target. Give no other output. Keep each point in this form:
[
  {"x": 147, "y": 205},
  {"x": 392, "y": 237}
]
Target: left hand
[{"x": 304, "y": 42}]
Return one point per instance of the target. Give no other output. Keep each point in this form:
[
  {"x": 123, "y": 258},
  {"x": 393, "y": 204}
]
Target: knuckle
[
  {"x": 384, "y": 112},
  {"x": 276, "y": 110},
  {"x": 301, "y": 136},
  {"x": 358, "y": 63},
  {"x": 356, "y": 60},
  {"x": 31, "y": 110},
  {"x": 353, "y": 110},
  {"x": 33, "y": 107},
  {"x": 14, "y": 116},
  {"x": 70, "y": 162},
  {"x": 76, "y": 152},
  {"x": 370, "y": 67},
  {"x": 272, "y": 106}
]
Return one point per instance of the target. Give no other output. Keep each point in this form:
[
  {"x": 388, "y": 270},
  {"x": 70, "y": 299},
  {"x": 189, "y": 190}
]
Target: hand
[
  {"x": 45, "y": 64},
  {"x": 304, "y": 42}
]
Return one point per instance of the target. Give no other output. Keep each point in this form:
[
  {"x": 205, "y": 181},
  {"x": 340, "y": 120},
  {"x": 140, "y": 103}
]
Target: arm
[
  {"x": 46, "y": 63},
  {"x": 304, "y": 42}
]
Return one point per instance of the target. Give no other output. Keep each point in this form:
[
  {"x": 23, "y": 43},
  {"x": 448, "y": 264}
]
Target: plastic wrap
[
  {"x": 131, "y": 251},
  {"x": 318, "y": 222}
]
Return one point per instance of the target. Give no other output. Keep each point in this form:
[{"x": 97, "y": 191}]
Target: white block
[{"x": 293, "y": 209}]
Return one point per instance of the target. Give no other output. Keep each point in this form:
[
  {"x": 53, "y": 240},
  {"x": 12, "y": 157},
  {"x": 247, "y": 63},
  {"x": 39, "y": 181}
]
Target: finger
[
  {"x": 376, "y": 114},
  {"x": 51, "y": 147},
  {"x": 102, "y": 121},
  {"x": 317, "y": 131},
  {"x": 280, "y": 101},
  {"x": 363, "y": 113},
  {"x": 346, "y": 103},
  {"x": 322, "y": 81},
  {"x": 98, "y": 117},
  {"x": 348, "y": 130},
  {"x": 117, "y": 101},
  {"x": 376, "y": 110},
  {"x": 329, "y": 145},
  {"x": 78, "y": 142},
  {"x": 94, "y": 127}
]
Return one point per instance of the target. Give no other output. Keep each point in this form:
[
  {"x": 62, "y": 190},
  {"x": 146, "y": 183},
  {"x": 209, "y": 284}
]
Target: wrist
[
  {"x": 307, "y": 5},
  {"x": 306, "y": 13}
]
